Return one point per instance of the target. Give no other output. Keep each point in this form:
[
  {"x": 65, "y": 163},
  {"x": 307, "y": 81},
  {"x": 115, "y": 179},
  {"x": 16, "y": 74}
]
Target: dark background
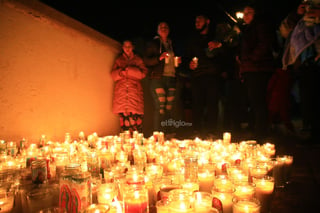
[{"x": 140, "y": 22}]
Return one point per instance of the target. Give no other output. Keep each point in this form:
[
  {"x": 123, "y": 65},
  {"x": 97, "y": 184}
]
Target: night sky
[{"x": 130, "y": 23}]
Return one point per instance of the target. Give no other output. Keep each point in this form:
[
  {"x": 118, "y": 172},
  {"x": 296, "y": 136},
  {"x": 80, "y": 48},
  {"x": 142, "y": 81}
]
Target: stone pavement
[{"x": 302, "y": 193}]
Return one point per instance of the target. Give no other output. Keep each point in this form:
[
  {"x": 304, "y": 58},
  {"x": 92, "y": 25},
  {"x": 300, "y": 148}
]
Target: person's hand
[
  {"x": 124, "y": 72},
  {"x": 163, "y": 56},
  {"x": 132, "y": 69},
  {"x": 236, "y": 29},
  {"x": 193, "y": 65},
  {"x": 214, "y": 44},
  {"x": 238, "y": 59}
]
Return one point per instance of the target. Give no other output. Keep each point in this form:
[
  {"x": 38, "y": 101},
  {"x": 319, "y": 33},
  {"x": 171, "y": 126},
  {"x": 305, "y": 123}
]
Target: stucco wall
[{"x": 54, "y": 74}]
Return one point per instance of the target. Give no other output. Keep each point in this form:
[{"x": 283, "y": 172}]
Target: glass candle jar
[
  {"x": 246, "y": 205},
  {"x": 39, "y": 171},
  {"x": 180, "y": 201},
  {"x": 202, "y": 203},
  {"x": 206, "y": 174},
  {"x": 244, "y": 189},
  {"x": 222, "y": 195},
  {"x": 135, "y": 199},
  {"x": 106, "y": 192},
  {"x": 97, "y": 208},
  {"x": 264, "y": 191},
  {"x": 65, "y": 185}
]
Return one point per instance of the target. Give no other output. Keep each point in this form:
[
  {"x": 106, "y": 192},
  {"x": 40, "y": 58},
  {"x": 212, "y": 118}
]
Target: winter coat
[
  {"x": 256, "y": 47},
  {"x": 128, "y": 91},
  {"x": 210, "y": 63}
]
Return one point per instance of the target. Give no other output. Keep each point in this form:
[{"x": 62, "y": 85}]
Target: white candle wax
[
  {"x": 264, "y": 192},
  {"x": 246, "y": 206},
  {"x": 244, "y": 191},
  {"x": 226, "y": 200},
  {"x": 106, "y": 193},
  {"x": 206, "y": 180},
  {"x": 180, "y": 207}
]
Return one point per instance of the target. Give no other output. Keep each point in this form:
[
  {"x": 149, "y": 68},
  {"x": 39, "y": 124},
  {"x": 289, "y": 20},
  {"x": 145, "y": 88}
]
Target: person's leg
[
  {"x": 125, "y": 121},
  {"x": 159, "y": 99},
  {"x": 198, "y": 104},
  {"x": 305, "y": 88},
  {"x": 137, "y": 122},
  {"x": 170, "y": 101},
  {"x": 213, "y": 85},
  {"x": 122, "y": 120},
  {"x": 256, "y": 84}
]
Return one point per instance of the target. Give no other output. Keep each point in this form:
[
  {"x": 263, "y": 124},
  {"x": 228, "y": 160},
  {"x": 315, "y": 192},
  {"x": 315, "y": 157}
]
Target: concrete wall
[{"x": 54, "y": 74}]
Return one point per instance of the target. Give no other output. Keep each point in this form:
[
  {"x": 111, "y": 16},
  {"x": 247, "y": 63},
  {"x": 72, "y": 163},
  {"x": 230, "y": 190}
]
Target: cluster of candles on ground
[{"x": 132, "y": 174}]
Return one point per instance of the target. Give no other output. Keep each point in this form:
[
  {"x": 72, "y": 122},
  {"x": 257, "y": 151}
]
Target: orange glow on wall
[{"x": 55, "y": 74}]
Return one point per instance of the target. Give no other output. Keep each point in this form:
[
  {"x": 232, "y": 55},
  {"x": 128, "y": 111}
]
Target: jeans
[{"x": 163, "y": 93}]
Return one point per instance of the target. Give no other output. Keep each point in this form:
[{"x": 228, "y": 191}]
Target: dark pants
[
  {"x": 256, "y": 84},
  {"x": 235, "y": 105},
  {"x": 206, "y": 91},
  {"x": 309, "y": 97}
]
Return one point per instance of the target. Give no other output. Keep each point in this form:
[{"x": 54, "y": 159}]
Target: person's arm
[
  {"x": 137, "y": 72},
  {"x": 117, "y": 72},
  {"x": 151, "y": 54}
]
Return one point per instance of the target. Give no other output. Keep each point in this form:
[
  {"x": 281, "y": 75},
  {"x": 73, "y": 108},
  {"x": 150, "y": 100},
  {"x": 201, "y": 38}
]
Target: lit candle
[
  {"x": 135, "y": 200},
  {"x": 244, "y": 190},
  {"x": 122, "y": 157},
  {"x": 135, "y": 178},
  {"x": 106, "y": 193},
  {"x": 226, "y": 138},
  {"x": 246, "y": 206},
  {"x": 203, "y": 203},
  {"x": 195, "y": 61},
  {"x": 191, "y": 186},
  {"x": 264, "y": 191},
  {"x": 97, "y": 208},
  {"x": 223, "y": 192},
  {"x": 174, "y": 166},
  {"x": 258, "y": 172},
  {"x": 206, "y": 178},
  {"x": 226, "y": 200},
  {"x": 162, "y": 207}
]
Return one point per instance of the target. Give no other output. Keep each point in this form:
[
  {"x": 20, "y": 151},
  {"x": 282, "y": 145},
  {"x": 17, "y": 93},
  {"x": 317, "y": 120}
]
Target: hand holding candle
[{"x": 193, "y": 63}]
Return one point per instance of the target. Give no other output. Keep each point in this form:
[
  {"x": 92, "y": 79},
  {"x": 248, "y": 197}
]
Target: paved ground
[{"x": 302, "y": 194}]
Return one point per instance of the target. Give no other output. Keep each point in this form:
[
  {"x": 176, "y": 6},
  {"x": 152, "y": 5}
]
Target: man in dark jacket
[
  {"x": 257, "y": 65},
  {"x": 203, "y": 55}
]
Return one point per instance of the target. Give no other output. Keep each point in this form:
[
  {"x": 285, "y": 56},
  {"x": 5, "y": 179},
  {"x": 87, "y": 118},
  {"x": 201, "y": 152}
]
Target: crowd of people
[{"x": 247, "y": 71}]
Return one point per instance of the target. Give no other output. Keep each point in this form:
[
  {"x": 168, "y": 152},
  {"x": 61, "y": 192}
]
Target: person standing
[
  {"x": 159, "y": 58},
  {"x": 203, "y": 59},
  {"x": 127, "y": 72},
  {"x": 257, "y": 64},
  {"x": 304, "y": 48}
]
